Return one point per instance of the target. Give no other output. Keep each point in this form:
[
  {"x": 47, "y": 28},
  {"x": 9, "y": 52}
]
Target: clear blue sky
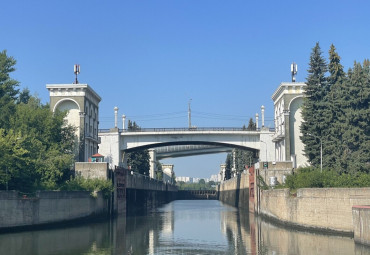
[{"x": 150, "y": 57}]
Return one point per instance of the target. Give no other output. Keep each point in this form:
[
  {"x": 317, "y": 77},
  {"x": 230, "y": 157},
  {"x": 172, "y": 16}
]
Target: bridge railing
[{"x": 183, "y": 129}]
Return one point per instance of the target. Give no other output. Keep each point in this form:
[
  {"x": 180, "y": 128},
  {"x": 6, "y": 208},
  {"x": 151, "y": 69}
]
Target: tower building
[
  {"x": 288, "y": 100},
  {"x": 82, "y": 104}
]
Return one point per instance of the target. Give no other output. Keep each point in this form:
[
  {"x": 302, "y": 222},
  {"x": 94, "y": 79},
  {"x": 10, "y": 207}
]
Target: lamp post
[
  {"x": 265, "y": 147},
  {"x": 320, "y": 149}
]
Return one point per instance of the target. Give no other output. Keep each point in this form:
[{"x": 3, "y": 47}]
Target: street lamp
[
  {"x": 265, "y": 147},
  {"x": 320, "y": 149}
]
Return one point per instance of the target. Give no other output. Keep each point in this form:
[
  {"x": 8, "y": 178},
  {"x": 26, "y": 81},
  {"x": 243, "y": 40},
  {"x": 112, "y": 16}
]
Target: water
[{"x": 181, "y": 227}]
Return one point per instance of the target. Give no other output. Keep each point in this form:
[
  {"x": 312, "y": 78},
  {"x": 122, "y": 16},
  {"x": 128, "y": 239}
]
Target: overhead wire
[{"x": 184, "y": 114}]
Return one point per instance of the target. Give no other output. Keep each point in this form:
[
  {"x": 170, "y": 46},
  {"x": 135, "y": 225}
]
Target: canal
[{"x": 180, "y": 227}]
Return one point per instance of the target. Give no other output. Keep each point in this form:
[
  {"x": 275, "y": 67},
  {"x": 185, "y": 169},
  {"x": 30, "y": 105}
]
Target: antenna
[
  {"x": 76, "y": 70},
  {"x": 293, "y": 70},
  {"x": 189, "y": 113}
]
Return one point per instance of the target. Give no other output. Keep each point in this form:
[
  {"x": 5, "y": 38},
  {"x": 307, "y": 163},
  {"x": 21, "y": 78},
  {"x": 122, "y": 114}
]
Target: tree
[
  {"x": 228, "y": 166},
  {"x": 8, "y": 89},
  {"x": 251, "y": 125},
  {"x": 337, "y": 103},
  {"x": 49, "y": 143},
  {"x": 24, "y": 96},
  {"x": 138, "y": 160},
  {"x": 37, "y": 151},
  {"x": 355, "y": 155},
  {"x": 159, "y": 173},
  {"x": 315, "y": 109},
  {"x": 243, "y": 158}
]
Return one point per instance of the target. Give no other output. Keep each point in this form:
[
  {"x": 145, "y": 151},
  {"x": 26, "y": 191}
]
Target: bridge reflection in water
[{"x": 180, "y": 227}]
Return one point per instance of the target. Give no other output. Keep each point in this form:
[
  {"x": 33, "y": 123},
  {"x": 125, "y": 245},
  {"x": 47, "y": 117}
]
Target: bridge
[
  {"x": 197, "y": 194},
  {"x": 176, "y": 151},
  {"x": 115, "y": 143}
]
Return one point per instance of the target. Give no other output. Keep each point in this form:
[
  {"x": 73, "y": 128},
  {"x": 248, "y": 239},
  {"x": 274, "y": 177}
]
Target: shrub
[
  {"x": 92, "y": 185},
  {"x": 314, "y": 178}
]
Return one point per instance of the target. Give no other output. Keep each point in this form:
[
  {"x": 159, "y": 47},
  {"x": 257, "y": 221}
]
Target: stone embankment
[
  {"x": 49, "y": 207},
  {"x": 144, "y": 192},
  {"x": 327, "y": 209},
  {"x": 319, "y": 209},
  {"x": 235, "y": 191},
  {"x": 361, "y": 223}
]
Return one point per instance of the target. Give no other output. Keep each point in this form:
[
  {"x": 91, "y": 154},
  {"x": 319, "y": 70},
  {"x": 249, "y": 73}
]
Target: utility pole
[{"x": 189, "y": 113}]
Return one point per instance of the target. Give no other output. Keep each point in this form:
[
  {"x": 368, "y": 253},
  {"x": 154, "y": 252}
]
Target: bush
[
  {"x": 92, "y": 185},
  {"x": 314, "y": 178}
]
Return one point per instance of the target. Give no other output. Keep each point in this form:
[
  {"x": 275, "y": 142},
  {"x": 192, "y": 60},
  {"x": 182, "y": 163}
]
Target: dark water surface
[{"x": 181, "y": 227}]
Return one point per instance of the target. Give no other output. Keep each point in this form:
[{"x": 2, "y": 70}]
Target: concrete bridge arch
[{"x": 115, "y": 143}]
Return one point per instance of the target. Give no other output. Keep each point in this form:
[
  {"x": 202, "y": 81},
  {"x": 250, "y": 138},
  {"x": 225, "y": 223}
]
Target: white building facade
[
  {"x": 288, "y": 100},
  {"x": 82, "y": 104}
]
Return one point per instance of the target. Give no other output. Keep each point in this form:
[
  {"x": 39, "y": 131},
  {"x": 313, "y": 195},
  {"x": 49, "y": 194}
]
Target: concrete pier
[{"x": 361, "y": 224}]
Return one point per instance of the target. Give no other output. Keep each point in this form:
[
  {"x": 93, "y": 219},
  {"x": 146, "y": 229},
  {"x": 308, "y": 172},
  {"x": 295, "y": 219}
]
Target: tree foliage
[
  {"x": 201, "y": 185},
  {"x": 314, "y": 178},
  {"x": 8, "y": 89},
  {"x": 336, "y": 111},
  {"x": 93, "y": 185},
  {"x": 243, "y": 158},
  {"x": 314, "y": 110},
  {"x": 138, "y": 161},
  {"x": 36, "y": 146}
]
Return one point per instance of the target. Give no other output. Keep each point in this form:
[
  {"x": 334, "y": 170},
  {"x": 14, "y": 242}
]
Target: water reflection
[{"x": 181, "y": 227}]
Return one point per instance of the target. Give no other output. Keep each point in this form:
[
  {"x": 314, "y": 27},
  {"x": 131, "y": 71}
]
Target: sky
[{"x": 150, "y": 58}]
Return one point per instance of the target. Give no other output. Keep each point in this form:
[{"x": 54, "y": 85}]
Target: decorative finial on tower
[
  {"x": 293, "y": 70},
  {"x": 115, "y": 116},
  {"x": 123, "y": 122},
  {"x": 76, "y": 71}
]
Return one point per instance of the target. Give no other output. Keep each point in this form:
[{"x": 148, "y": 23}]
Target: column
[
  {"x": 152, "y": 163},
  {"x": 115, "y": 116},
  {"x": 123, "y": 122}
]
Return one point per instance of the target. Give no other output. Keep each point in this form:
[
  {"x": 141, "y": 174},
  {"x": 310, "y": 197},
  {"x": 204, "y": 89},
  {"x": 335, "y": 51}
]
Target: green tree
[
  {"x": 138, "y": 160},
  {"x": 8, "y": 89},
  {"x": 24, "y": 96},
  {"x": 315, "y": 109},
  {"x": 243, "y": 158},
  {"x": 14, "y": 162},
  {"x": 159, "y": 173},
  {"x": 228, "y": 163},
  {"x": 251, "y": 125},
  {"x": 337, "y": 103},
  {"x": 355, "y": 155},
  {"x": 49, "y": 143}
]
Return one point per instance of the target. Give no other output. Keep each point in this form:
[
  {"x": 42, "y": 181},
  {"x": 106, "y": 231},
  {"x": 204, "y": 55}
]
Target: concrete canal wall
[
  {"x": 328, "y": 209},
  {"x": 144, "y": 192},
  {"x": 361, "y": 224},
  {"x": 49, "y": 207},
  {"x": 235, "y": 191}
]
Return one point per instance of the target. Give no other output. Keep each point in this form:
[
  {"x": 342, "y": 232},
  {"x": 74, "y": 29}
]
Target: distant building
[
  {"x": 82, "y": 104},
  {"x": 168, "y": 173},
  {"x": 288, "y": 100},
  {"x": 215, "y": 178},
  {"x": 185, "y": 179},
  {"x": 222, "y": 173}
]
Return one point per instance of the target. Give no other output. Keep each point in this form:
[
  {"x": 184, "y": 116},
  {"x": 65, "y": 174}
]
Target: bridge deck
[
  {"x": 184, "y": 129},
  {"x": 197, "y": 194}
]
